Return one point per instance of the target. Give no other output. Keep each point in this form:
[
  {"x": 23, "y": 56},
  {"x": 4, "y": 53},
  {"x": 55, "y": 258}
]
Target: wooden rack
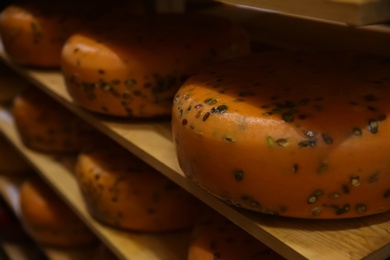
[
  {"x": 364, "y": 238},
  {"x": 294, "y": 239},
  {"x": 58, "y": 172},
  {"x": 351, "y": 12}
]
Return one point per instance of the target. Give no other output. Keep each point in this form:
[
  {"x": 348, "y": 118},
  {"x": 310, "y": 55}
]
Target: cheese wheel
[
  {"x": 124, "y": 192},
  {"x": 292, "y": 134},
  {"x": 48, "y": 220},
  {"x": 215, "y": 237},
  {"x": 134, "y": 69},
  {"x": 33, "y": 32},
  {"x": 46, "y": 126},
  {"x": 11, "y": 161}
]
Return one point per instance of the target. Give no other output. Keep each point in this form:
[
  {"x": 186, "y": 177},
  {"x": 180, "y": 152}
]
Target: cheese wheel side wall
[
  {"x": 48, "y": 220},
  {"x": 289, "y": 134},
  {"x": 46, "y": 126},
  {"x": 124, "y": 192},
  {"x": 134, "y": 69}
]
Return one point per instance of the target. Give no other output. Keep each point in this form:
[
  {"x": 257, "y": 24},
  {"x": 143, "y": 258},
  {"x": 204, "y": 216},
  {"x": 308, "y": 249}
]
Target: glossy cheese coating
[
  {"x": 11, "y": 161},
  {"x": 48, "y": 220},
  {"x": 124, "y": 192},
  {"x": 215, "y": 237},
  {"x": 33, "y": 32},
  {"x": 293, "y": 134},
  {"x": 46, "y": 126},
  {"x": 133, "y": 69}
]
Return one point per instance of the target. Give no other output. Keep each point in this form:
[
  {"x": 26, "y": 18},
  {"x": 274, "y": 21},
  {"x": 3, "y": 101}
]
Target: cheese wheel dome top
[
  {"x": 215, "y": 237},
  {"x": 33, "y": 32},
  {"x": 293, "y": 134},
  {"x": 46, "y": 126},
  {"x": 134, "y": 68},
  {"x": 124, "y": 192},
  {"x": 47, "y": 218}
]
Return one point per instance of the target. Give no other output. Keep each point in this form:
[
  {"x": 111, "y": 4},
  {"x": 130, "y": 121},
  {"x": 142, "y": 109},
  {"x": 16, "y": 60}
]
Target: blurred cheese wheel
[
  {"x": 133, "y": 69},
  {"x": 48, "y": 220},
  {"x": 215, "y": 237},
  {"x": 10, "y": 160},
  {"x": 46, "y": 126},
  {"x": 124, "y": 192},
  {"x": 33, "y": 32},
  {"x": 10, "y": 84}
]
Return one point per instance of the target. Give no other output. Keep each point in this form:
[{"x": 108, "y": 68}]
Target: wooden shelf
[
  {"x": 9, "y": 189},
  {"x": 367, "y": 238},
  {"x": 58, "y": 172},
  {"x": 351, "y": 12}
]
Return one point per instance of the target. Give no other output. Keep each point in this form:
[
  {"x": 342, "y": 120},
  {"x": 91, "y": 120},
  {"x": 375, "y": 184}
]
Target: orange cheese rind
[{"x": 291, "y": 134}]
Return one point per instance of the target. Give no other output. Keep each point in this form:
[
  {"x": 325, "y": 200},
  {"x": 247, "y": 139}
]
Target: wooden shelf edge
[{"x": 351, "y": 12}]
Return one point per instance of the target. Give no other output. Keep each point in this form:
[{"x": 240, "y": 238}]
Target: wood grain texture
[
  {"x": 367, "y": 238},
  {"x": 352, "y": 12}
]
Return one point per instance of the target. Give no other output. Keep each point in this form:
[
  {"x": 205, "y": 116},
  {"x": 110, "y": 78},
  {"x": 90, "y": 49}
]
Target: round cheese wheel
[
  {"x": 48, "y": 220},
  {"x": 292, "y": 134},
  {"x": 134, "y": 69},
  {"x": 46, "y": 126},
  {"x": 124, "y": 192},
  {"x": 10, "y": 160},
  {"x": 215, "y": 237},
  {"x": 33, "y": 32}
]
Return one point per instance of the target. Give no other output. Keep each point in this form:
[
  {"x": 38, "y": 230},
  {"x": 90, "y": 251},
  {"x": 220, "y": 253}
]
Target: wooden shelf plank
[
  {"x": 58, "y": 172},
  {"x": 367, "y": 237},
  {"x": 9, "y": 189},
  {"x": 351, "y": 12}
]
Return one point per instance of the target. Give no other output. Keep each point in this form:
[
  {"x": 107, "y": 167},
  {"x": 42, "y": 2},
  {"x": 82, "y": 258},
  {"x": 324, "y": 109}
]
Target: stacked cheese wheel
[
  {"x": 215, "y": 237},
  {"x": 48, "y": 220},
  {"x": 11, "y": 162},
  {"x": 292, "y": 134},
  {"x": 124, "y": 192},
  {"x": 134, "y": 68},
  {"x": 46, "y": 126},
  {"x": 33, "y": 32}
]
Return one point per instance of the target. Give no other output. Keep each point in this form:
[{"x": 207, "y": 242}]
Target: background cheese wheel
[
  {"x": 10, "y": 160},
  {"x": 134, "y": 68},
  {"x": 292, "y": 134},
  {"x": 215, "y": 237},
  {"x": 124, "y": 192},
  {"x": 48, "y": 220},
  {"x": 46, "y": 126},
  {"x": 33, "y": 32}
]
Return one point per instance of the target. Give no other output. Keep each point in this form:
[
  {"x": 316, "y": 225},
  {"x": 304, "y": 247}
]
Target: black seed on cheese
[
  {"x": 327, "y": 139},
  {"x": 357, "y": 131},
  {"x": 360, "y": 208},
  {"x": 238, "y": 174},
  {"x": 373, "y": 126}
]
